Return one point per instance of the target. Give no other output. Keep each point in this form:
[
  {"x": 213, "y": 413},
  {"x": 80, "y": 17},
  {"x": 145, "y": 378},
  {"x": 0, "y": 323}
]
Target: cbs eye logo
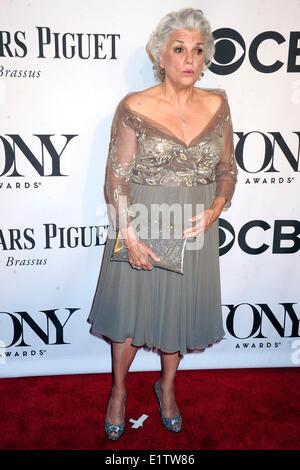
[
  {"x": 226, "y": 236},
  {"x": 231, "y": 51}
]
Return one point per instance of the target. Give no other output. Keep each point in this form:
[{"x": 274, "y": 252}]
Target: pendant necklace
[{"x": 183, "y": 122}]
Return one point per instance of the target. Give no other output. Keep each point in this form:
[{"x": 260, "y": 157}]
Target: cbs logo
[
  {"x": 282, "y": 238},
  {"x": 231, "y": 51}
]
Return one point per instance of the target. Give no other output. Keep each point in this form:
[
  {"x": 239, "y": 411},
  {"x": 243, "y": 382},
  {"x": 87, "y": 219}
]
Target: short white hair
[{"x": 186, "y": 18}]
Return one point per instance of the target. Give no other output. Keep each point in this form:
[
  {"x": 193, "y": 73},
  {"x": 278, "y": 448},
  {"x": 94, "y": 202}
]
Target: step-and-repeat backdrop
[{"x": 64, "y": 66}]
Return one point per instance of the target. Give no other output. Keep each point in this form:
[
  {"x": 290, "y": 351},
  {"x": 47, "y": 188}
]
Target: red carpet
[{"x": 239, "y": 409}]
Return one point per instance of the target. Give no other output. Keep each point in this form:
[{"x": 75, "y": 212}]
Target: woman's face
[{"x": 183, "y": 56}]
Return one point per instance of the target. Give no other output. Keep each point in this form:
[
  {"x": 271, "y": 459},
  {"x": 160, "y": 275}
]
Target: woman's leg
[
  {"x": 169, "y": 365},
  {"x": 122, "y": 357}
]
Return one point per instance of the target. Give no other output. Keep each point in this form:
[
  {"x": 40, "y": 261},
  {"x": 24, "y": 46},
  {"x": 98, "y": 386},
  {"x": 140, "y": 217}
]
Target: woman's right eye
[{"x": 178, "y": 49}]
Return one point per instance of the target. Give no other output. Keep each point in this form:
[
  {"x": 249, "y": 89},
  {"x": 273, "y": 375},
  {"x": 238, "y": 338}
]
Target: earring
[
  {"x": 200, "y": 76},
  {"x": 161, "y": 71}
]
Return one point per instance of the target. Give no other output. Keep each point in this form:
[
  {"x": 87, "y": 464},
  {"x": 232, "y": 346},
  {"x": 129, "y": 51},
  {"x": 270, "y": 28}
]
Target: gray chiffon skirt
[{"x": 162, "y": 309}]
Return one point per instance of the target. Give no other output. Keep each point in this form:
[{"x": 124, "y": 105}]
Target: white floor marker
[{"x": 138, "y": 422}]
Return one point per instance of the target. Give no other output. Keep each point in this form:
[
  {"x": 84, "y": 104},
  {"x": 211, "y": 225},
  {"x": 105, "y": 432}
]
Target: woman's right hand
[{"x": 138, "y": 256}]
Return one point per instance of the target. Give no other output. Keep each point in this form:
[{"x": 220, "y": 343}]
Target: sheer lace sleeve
[
  {"x": 226, "y": 169},
  {"x": 120, "y": 163}
]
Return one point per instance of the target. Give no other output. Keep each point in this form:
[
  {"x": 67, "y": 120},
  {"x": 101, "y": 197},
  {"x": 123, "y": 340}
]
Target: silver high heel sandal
[
  {"x": 168, "y": 422},
  {"x": 118, "y": 429}
]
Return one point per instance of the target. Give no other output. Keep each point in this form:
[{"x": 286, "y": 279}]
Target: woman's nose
[{"x": 189, "y": 57}]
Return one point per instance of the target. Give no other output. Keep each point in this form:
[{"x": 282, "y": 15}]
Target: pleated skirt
[{"x": 161, "y": 309}]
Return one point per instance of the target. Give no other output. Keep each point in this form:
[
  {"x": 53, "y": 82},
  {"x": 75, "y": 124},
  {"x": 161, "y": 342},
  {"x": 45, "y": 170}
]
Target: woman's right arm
[{"x": 120, "y": 163}]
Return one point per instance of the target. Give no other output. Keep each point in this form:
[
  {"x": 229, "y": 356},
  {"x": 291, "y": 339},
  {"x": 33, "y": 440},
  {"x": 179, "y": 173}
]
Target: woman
[{"x": 170, "y": 143}]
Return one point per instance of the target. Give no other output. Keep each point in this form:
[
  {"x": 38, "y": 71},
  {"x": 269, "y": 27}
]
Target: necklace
[{"x": 183, "y": 121}]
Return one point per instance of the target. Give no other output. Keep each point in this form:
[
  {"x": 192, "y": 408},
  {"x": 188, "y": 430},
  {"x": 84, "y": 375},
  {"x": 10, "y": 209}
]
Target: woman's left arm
[
  {"x": 226, "y": 169},
  {"x": 225, "y": 176}
]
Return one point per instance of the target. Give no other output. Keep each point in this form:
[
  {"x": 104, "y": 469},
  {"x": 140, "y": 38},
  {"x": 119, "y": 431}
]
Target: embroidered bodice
[{"x": 146, "y": 152}]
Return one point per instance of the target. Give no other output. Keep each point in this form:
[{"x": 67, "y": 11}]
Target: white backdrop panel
[{"x": 55, "y": 123}]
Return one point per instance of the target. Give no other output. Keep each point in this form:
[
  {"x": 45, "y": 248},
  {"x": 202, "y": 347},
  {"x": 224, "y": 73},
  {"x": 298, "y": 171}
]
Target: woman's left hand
[{"x": 205, "y": 220}]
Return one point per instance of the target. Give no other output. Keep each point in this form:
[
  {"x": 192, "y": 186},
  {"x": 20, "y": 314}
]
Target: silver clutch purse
[{"x": 169, "y": 250}]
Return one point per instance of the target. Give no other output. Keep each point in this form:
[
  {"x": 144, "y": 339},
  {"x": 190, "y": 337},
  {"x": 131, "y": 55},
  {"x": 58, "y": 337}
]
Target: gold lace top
[{"x": 146, "y": 152}]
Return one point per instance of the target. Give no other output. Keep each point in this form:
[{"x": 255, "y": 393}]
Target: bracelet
[{"x": 138, "y": 238}]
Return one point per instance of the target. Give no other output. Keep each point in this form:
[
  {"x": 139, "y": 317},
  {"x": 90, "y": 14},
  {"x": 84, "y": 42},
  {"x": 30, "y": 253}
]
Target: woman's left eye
[{"x": 199, "y": 51}]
